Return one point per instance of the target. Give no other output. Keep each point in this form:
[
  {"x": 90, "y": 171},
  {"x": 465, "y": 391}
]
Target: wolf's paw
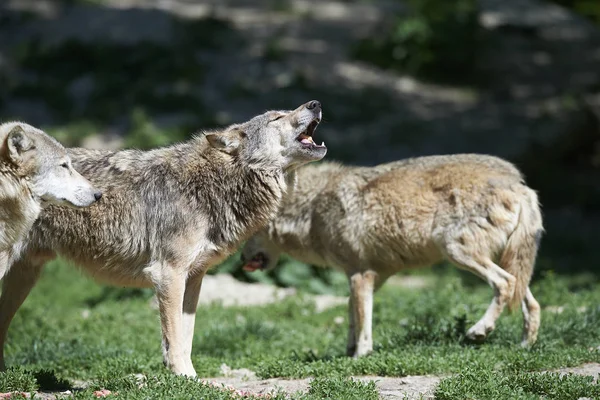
[
  {"x": 479, "y": 332},
  {"x": 363, "y": 350}
]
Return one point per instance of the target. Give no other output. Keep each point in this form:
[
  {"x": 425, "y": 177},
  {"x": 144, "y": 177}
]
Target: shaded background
[{"x": 515, "y": 78}]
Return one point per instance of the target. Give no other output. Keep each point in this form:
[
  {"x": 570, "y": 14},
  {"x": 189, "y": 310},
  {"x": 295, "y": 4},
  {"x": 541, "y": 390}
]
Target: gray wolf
[
  {"x": 35, "y": 171},
  {"x": 169, "y": 214},
  {"x": 472, "y": 210}
]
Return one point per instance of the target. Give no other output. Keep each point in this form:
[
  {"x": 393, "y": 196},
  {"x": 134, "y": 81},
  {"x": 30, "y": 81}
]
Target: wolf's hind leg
[
  {"x": 531, "y": 319},
  {"x": 501, "y": 282},
  {"x": 360, "y": 310},
  {"x": 18, "y": 282},
  {"x": 362, "y": 287}
]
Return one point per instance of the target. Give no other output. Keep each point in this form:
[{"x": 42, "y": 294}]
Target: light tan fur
[{"x": 472, "y": 210}]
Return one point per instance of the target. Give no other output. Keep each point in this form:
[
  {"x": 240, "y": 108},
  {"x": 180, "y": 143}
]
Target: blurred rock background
[{"x": 515, "y": 78}]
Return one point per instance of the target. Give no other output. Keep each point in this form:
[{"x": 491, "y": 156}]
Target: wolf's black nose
[
  {"x": 98, "y": 195},
  {"x": 314, "y": 104}
]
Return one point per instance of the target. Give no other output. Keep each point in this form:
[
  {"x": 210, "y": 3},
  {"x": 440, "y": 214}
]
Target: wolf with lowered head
[
  {"x": 371, "y": 222},
  {"x": 169, "y": 214}
]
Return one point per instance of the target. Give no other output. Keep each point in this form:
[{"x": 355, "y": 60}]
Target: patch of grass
[
  {"x": 26, "y": 380},
  {"x": 104, "y": 337},
  {"x": 17, "y": 379},
  {"x": 164, "y": 386},
  {"x": 488, "y": 384}
]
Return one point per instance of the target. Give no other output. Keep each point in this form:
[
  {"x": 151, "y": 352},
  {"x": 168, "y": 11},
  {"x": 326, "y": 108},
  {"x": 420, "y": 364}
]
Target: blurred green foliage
[
  {"x": 100, "y": 84},
  {"x": 289, "y": 273},
  {"x": 588, "y": 8},
  {"x": 144, "y": 134},
  {"x": 434, "y": 39},
  {"x": 127, "y": 77}
]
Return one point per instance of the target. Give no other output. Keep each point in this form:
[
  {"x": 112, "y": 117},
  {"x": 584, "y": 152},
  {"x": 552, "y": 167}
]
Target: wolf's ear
[
  {"x": 17, "y": 143},
  {"x": 228, "y": 142}
]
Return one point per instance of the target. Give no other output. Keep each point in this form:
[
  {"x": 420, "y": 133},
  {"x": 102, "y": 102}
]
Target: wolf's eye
[
  {"x": 65, "y": 165},
  {"x": 276, "y": 118}
]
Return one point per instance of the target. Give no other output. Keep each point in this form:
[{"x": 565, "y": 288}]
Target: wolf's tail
[{"x": 520, "y": 252}]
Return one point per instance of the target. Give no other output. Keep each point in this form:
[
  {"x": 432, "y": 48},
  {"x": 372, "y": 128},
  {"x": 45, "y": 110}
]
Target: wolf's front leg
[
  {"x": 190, "y": 304},
  {"x": 170, "y": 288},
  {"x": 351, "y": 345},
  {"x": 17, "y": 284},
  {"x": 362, "y": 286}
]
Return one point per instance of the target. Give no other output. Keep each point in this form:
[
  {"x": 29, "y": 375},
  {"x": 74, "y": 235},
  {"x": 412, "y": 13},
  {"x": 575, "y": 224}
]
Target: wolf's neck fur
[
  {"x": 18, "y": 209},
  {"x": 240, "y": 198},
  {"x": 240, "y": 208}
]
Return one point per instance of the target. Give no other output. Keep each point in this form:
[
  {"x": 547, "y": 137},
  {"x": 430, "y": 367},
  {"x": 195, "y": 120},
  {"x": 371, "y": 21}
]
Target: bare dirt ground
[{"x": 407, "y": 387}]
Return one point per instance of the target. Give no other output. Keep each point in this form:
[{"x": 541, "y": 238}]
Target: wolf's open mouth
[
  {"x": 305, "y": 138},
  {"x": 259, "y": 261}
]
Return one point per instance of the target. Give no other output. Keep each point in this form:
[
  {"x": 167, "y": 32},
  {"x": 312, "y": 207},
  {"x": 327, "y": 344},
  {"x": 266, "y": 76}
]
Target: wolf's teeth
[{"x": 322, "y": 144}]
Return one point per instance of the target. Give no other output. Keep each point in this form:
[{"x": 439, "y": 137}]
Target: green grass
[
  {"x": 488, "y": 384},
  {"x": 341, "y": 388},
  {"x": 73, "y": 329}
]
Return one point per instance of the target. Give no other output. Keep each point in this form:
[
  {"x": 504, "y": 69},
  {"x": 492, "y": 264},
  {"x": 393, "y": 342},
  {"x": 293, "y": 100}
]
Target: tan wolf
[
  {"x": 472, "y": 210},
  {"x": 169, "y": 214},
  {"x": 35, "y": 171}
]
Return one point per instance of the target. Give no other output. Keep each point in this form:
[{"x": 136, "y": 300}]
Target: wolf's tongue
[
  {"x": 306, "y": 141},
  {"x": 252, "y": 266}
]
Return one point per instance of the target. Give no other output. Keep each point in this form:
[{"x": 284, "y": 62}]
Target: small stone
[
  {"x": 225, "y": 369},
  {"x": 102, "y": 393}
]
